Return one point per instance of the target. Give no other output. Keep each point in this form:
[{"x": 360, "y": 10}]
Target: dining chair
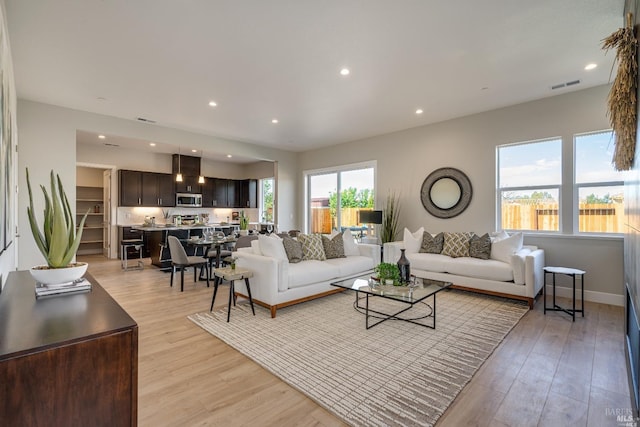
[{"x": 180, "y": 260}]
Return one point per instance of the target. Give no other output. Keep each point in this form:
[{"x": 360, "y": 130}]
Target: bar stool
[
  {"x": 571, "y": 272},
  {"x": 136, "y": 244},
  {"x": 231, "y": 275}
]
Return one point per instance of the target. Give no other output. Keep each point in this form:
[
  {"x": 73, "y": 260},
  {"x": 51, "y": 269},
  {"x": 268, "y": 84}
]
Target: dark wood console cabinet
[{"x": 67, "y": 360}]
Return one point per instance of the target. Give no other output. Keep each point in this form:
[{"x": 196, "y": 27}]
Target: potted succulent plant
[
  {"x": 58, "y": 239},
  {"x": 388, "y": 273}
]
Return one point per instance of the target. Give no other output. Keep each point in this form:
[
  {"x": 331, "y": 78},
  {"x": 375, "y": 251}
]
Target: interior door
[{"x": 106, "y": 218}]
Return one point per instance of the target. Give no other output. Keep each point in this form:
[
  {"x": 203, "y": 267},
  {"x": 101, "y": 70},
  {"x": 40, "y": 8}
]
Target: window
[
  {"x": 335, "y": 196},
  {"x": 598, "y": 186},
  {"x": 529, "y": 182},
  {"x": 266, "y": 199}
]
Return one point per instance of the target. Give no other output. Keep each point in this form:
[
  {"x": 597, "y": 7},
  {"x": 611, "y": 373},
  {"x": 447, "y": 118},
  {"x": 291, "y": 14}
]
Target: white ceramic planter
[{"x": 56, "y": 276}]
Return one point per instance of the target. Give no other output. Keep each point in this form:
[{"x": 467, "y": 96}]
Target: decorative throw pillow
[
  {"x": 502, "y": 250},
  {"x": 498, "y": 235},
  {"x": 412, "y": 241},
  {"x": 271, "y": 246},
  {"x": 456, "y": 244},
  {"x": 349, "y": 243},
  {"x": 312, "y": 247},
  {"x": 480, "y": 247},
  {"x": 432, "y": 244},
  {"x": 334, "y": 247},
  {"x": 293, "y": 249}
]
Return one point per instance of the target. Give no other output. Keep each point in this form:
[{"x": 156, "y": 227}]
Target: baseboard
[{"x": 592, "y": 296}]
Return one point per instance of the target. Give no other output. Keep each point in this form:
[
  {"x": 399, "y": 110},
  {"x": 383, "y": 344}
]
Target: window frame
[{"x": 261, "y": 210}]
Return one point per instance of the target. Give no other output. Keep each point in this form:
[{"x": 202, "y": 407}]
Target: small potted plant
[
  {"x": 388, "y": 273},
  {"x": 58, "y": 240},
  {"x": 244, "y": 224}
]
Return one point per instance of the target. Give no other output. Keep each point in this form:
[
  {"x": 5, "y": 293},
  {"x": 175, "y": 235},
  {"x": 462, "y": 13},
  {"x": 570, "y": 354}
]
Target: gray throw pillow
[
  {"x": 480, "y": 247},
  {"x": 333, "y": 248},
  {"x": 293, "y": 248},
  {"x": 432, "y": 244}
]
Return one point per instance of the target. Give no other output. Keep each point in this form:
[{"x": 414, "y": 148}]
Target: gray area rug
[{"x": 395, "y": 374}]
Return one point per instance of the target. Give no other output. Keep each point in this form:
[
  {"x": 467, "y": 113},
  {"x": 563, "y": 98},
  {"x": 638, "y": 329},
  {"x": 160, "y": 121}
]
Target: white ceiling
[{"x": 164, "y": 60}]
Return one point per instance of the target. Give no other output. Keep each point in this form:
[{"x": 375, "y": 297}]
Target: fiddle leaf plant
[{"x": 58, "y": 239}]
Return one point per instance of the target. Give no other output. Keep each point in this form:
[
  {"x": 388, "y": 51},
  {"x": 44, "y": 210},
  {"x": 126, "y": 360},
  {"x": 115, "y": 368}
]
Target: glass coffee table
[{"x": 416, "y": 293}]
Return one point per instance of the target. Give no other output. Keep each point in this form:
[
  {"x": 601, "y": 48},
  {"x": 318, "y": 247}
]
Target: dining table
[{"x": 208, "y": 243}]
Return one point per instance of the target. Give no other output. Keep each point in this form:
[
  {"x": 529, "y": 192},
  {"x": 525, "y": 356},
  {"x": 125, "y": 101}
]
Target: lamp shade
[{"x": 370, "y": 217}]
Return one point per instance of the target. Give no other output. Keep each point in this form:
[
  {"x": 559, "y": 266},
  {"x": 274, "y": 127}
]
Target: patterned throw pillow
[
  {"x": 312, "y": 247},
  {"x": 480, "y": 247},
  {"x": 293, "y": 248},
  {"x": 432, "y": 244},
  {"x": 456, "y": 244},
  {"x": 334, "y": 247}
]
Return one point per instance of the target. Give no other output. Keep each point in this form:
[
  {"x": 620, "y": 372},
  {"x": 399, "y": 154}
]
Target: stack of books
[{"x": 80, "y": 285}]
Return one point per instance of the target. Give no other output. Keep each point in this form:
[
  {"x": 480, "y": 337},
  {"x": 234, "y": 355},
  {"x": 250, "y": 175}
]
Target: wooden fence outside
[
  {"x": 323, "y": 222},
  {"x": 604, "y": 218}
]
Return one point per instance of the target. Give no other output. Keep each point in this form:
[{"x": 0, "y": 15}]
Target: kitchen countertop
[{"x": 162, "y": 227}]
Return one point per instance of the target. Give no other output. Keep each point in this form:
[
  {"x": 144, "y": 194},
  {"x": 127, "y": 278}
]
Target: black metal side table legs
[{"x": 573, "y": 273}]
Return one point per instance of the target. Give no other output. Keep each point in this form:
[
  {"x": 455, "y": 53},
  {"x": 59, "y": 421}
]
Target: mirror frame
[{"x": 466, "y": 192}]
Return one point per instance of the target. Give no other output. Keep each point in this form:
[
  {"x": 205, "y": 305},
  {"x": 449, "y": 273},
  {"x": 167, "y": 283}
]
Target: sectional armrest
[
  {"x": 534, "y": 271},
  {"x": 371, "y": 251},
  {"x": 269, "y": 274},
  {"x": 392, "y": 251}
]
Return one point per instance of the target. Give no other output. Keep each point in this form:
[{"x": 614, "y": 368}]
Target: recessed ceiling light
[
  {"x": 590, "y": 66},
  {"x": 194, "y": 151},
  {"x": 153, "y": 144},
  {"x": 274, "y": 121},
  {"x": 345, "y": 72},
  {"x": 101, "y": 136},
  {"x": 213, "y": 104},
  {"x": 229, "y": 156},
  {"x": 419, "y": 111}
]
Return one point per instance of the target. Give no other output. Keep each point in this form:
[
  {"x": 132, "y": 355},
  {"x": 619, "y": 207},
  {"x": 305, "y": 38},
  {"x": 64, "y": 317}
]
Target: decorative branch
[{"x": 622, "y": 102}]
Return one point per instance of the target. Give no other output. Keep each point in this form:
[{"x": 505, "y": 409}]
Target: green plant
[
  {"x": 390, "y": 214},
  {"x": 244, "y": 221},
  {"x": 387, "y": 271},
  {"x": 58, "y": 240}
]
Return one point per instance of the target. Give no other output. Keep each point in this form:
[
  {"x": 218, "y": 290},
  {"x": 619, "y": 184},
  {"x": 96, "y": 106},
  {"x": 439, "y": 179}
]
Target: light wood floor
[{"x": 547, "y": 372}]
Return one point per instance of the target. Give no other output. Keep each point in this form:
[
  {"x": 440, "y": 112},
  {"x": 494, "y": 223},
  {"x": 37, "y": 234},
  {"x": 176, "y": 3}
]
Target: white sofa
[
  {"x": 277, "y": 283},
  {"x": 522, "y": 278}
]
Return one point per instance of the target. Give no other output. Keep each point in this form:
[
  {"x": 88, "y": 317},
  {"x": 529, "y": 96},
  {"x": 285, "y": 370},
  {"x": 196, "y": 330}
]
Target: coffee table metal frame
[{"x": 410, "y": 295}]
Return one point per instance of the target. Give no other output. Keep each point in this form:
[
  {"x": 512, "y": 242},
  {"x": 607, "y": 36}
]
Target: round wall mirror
[{"x": 446, "y": 192}]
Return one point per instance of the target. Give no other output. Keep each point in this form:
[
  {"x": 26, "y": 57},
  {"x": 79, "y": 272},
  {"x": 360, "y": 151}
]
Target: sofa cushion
[
  {"x": 271, "y": 246},
  {"x": 502, "y": 250},
  {"x": 311, "y": 271},
  {"x": 333, "y": 247},
  {"x": 351, "y": 265},
  {"x": 480, "y": 246},
  {"x": 350, "y": 245},
  {"x": 293, "y": 249},
  {"x": 412, "y": 241},
  {"x": 479, "y": 268},
  {"x": 432, "y": 244},
  {"x": 312, "y": 247},
  {"x": 428, "y": 262},
  {"x": 456, "y": 244}
]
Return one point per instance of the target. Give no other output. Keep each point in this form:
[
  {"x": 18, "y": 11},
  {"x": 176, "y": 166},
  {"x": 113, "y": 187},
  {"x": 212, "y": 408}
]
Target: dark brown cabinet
[
  {"x": 157, "y": 189},
  {"x": 130, "y": 188},
  {"x": 249, "y": 193},
  {"x": 189, "y": 184},
  {"x": 189, "y": 167},
  {"x": 221, "y": 199},
  {"x": 66, "y": 360}
]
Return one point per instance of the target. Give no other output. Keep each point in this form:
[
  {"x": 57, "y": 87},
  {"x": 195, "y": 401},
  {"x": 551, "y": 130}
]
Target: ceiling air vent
[
  {"x": 108, "y": 144},
  {"x": 142, "y": 119},
  {"x": 566, "y": 84}
]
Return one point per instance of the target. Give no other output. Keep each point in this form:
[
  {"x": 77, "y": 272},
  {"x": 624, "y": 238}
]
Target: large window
[
  {"x": 529, "y": 182},
  {"x": 335, "y": 196},
  {"x": 266, "y": 200},
  {"x": 599, "y": 187}
]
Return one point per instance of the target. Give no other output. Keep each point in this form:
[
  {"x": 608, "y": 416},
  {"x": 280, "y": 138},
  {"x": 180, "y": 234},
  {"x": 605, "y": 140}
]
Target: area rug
[{"x": 394, "y": 374}]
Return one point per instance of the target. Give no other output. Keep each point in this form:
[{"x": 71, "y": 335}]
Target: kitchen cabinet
[
  {"x": 189, "y": 184},
  {"x": 130, "y": 188},
  {"x": 157, "y": 189},
  {"x": 89, "y": 200},
  {"x": 66, "y": 360},
  {"x": 189, "y": 167},
  {"x": 234, "y": 188},
  {"x": 249, "y": 193},
  {"x": 221, "y": 199}
]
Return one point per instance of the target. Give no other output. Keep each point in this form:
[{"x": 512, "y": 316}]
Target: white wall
[
  {"x": 406, "y": 158},
  {"x": 48, "y": 140}
]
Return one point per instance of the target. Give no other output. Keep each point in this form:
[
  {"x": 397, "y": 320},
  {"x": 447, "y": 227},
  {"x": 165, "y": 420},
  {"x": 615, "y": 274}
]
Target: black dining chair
[{"x": 180, "y": 260}]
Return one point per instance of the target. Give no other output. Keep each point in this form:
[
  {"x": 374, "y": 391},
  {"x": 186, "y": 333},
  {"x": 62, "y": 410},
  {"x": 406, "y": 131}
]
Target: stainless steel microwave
[{"x": 188, "y": 200}]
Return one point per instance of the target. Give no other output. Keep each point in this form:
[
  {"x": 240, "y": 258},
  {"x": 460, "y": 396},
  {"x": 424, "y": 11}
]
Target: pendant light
[
  {"x": 201, "y": 178},
  {"x": 179, "y": 175}
]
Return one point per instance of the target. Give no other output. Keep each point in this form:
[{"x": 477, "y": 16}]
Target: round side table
[{"x": 573, "y": 273}]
